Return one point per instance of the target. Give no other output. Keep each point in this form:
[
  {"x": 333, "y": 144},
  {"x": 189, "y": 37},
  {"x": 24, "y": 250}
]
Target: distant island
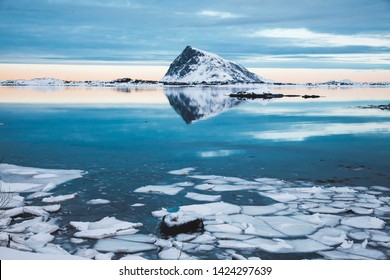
[{"x": 193, "y": 67}]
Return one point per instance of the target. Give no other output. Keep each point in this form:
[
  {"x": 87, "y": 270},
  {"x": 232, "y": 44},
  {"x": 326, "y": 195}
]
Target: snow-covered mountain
[
  {"x": 194, "y": 66},
  {"x": 194, "y": 104}
]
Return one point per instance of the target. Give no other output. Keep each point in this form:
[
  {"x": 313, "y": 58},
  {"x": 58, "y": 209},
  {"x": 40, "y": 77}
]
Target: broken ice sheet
[
  {"x": 106, "y": 227},
  {"x": 202, "y": 197},
  {"x": 36, "y": 177},
  {"x": 183, "y": 171},
  {"x": 167, "y": 189},
  {"x": 122, "y": 246},
  {"x": 364, "y": 222},
  {"x": 59, "y": 198},
  {"x": 98, "y": 201}
]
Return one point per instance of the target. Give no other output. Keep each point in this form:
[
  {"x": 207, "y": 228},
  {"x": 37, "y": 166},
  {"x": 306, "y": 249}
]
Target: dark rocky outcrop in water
[{"x": 173, "y": 224}]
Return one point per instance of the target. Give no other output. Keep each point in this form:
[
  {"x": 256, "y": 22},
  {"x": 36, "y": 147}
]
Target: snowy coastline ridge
[
  {"x": 193, "y": 67},
  {"x": 333, "y": 222}
]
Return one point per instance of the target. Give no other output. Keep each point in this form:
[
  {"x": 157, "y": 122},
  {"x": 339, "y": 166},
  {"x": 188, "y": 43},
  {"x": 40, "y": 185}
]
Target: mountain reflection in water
[{"x": 194, "y": 104}]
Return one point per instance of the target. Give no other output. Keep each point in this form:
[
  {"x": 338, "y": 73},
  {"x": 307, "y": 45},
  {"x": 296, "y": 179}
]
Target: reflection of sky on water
[
  {"x": 300, "y": 132},
  {"x": 219, "y": 153},
  {"x": 331, "y": 110}
]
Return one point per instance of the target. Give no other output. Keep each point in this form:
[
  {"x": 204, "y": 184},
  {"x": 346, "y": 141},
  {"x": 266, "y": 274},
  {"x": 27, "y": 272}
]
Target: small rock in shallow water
[{"x": 173, "y": 224}]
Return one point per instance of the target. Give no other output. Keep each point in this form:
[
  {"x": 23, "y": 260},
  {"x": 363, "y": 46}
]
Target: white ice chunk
[
  {"x": 183, "y": 171},
  {"x": 223, "y": 228},
  {"x": 86, "y": 253},
  {"x": 205, "y": 238},
  {"x": 160, "y": 213},
  {"x": 357, "y": 251},
  {"x": 271, "y": 245},
  {"x": 263, "y": 210},
  {"x": 380, "y": 188},
  {"x": 13, "y": 212},
  {"x": 280, "y": 197},
  {"x": 45, "y": 176},
  {"x": 10, "y": 254},
  {"x": 339, "y": 255},
  {"x": 234, "y": 244},
  {"x": 20, "y": 187},
  {"x": 132, "y": 257},
  {"x": 184, "y": 237},
  {"x": 106, "y": 256},
  {"x": 143, "y": 238},
  {"x": 346, "y": 244},
  {"x": 307, "y": 245},
  {"x": 39, "y": 240},
  {"x": 379, "y": 236},
  {"x": 4, "y": 221},
  {"x": 137, "y": 205},
  {"x": 361, "y": 210},
  {"x": 202, "y": 197},
  {"x": 329, "y": 236},
  {"x": 48, "y": 187},
  {"x": 98, "y": 201},
  {"x": 18, "y": 246},
  {"x": 231, "y": 236},
  {"x": 122, "y": 246},
  {"x": 163, "y": 243},
  {"x": 364, "y": 222},
  {"x": 173, "y": 254},
  {"x": 52, "y": 208},
  {"x": 52, "y": 249},
  {"x": 108, "y": 226},
  {"x": 256, "y": 226},
  {"x": 327, "y": 210},
  {"x": 343, "y": 190},
  {"x": 204, "y": 247},
  {"x": 77, "y": 240},
  {"x": 43, "y": 228},
  {"x": 359, "y": 235},
  {"x": 185, "y": 184},
  {"x": 289, "y": 226},
  {"x": 35, "y": 210},
  {"x": 11, "y": 200},
  {"x": 59, "y": 198},
  {"x": 184, "y": 246},
  {"x": 38, "y": 195},
  {"x": 167, "y": 189},
  {"x": 202, "y": 210}
]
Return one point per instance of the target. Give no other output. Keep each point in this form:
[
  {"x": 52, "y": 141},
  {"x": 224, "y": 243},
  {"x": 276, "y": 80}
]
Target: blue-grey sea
[{"x": 139, "y": 135}]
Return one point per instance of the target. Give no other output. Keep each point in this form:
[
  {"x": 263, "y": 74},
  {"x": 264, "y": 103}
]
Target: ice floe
[
  {"x": 122, "y": 246},
  {"x": 305, "y": 218},
  {"x": 263, "y": 210},
  {"x": 364, "y": 222},
  {"x": 106, "y": 227},
  {"x": 183, "y": 171},
  {"x": 202, "y": 210},
  {"x": 59, "y": 198},
  {"x": 333, "y": 222},
  {"x": 168, "y": 189},
  {"x": 98, "y": 201},
  {"x": 31, "y": 179},
  {"x": 202, "y": 197}
]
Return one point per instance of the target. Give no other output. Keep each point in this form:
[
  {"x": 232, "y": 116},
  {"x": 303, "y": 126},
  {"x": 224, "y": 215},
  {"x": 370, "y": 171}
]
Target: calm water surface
[{"x": 130, "y": 138}]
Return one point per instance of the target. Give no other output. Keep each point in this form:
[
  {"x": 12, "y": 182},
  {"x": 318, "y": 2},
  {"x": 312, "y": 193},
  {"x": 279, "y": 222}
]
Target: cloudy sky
[{"x": 348, "y": 34}]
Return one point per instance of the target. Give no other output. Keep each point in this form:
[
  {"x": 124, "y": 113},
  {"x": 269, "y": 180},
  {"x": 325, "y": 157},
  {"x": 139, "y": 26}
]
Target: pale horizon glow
[{"x": 111, "y": 72}]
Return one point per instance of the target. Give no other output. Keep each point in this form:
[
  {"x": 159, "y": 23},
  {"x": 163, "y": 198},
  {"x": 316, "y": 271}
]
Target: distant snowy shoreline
[{"x": 127, "y": 82}]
